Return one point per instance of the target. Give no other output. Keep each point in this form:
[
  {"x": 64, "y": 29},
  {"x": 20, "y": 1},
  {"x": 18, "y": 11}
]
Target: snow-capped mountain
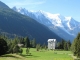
[{"x": 65, "y": 27}]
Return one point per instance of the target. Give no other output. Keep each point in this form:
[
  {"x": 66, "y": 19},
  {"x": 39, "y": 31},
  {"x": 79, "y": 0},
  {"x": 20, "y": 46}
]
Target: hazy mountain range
[
  {"x": 14, "y": 23},
  {"x": 65, "y": 27}
]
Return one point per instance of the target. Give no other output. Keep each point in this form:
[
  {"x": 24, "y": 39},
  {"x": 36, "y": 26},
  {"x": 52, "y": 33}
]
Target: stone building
[{"x": 52, "y": 43}]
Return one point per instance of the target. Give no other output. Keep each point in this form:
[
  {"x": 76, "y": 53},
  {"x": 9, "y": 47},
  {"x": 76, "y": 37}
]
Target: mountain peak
[
  {"x": 14, "y": 8},
  {"x": 40, "y": 11},
  {"x": 55, "y": 21},
  {"x": 68, "y": 18},
  {"x": 24, "y": 26}
]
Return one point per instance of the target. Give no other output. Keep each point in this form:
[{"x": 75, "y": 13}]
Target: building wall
[{"x": 51, "y": 43}]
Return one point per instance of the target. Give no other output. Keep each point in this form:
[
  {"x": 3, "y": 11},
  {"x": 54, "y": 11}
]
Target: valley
[{"x": 37, "y": 35}]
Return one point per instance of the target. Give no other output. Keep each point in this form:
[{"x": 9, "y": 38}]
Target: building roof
[{"x": 51, "y": 40}]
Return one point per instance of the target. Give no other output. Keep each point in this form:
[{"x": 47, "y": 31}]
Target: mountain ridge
[
  {"x": 12, "y": 22},
  {"x": 3, "y": 5},
  {"x": 54, "y": 21}
]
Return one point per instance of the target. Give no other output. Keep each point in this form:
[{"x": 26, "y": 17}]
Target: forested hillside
[{"x": 12, "y": 22}]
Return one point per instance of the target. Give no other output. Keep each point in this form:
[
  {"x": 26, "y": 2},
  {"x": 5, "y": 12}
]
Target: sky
[{"x": 69, "y": 8}]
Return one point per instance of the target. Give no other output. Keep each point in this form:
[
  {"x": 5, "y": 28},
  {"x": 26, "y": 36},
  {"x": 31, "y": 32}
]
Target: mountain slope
[
  {"x": 15, "y": 23},
  {"x": 65, "y": 27},
  {"x": 3, "y": 5}
]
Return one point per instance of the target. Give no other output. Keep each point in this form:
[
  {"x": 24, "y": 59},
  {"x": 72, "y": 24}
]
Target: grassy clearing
[
  {"x": 48, "y": 55},
  {"x": 39, "y": 55}
]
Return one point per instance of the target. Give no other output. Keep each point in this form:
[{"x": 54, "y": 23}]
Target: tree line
[
  {"x": 14, "y": 45},
  {"x": 64, "y": 45},
  {"x": 75, "y": 47},
  {"x": 8, "y": 45}
]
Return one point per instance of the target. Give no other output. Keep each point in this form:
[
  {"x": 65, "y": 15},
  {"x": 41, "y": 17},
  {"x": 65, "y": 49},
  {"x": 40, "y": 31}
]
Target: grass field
[{"x": 39, "y": 55}]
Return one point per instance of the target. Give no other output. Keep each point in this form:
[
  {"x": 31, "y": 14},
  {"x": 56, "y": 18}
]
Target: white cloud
[{"x": 25, "y": 2}]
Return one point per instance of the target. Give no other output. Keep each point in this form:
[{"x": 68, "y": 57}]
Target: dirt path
[{"x": 18, "y": 56}]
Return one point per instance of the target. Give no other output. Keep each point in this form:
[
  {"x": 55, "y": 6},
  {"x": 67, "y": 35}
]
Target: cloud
[{"x": 26, "y": 2}]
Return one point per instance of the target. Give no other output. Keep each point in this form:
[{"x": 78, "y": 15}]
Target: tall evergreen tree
[
  {"x": 21, "y": 40},
  {"x": 68, "y": 44},
  {"x": 10, "y": 47},
  {"x": 3, "y": 46},
  {"x": 27, "y": 42},
  {"x": 76, "y": 46},
  {"x": 65, "y": 46},
  {"x": 62, "y": 44}
]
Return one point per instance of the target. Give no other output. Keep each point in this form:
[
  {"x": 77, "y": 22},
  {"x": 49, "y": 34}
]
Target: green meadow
[{"x": 39, "y": 55}]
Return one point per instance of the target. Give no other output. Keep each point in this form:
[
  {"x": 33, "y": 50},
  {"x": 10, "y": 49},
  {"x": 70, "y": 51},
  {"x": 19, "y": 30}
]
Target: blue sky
[{"x": 63, "y": 7}]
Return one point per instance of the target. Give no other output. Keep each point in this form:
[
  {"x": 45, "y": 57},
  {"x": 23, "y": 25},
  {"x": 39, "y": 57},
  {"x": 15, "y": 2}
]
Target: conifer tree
[
  {"x": 3, "y": 46},
  {"x": 68, "y": 44},
  {"x": 65, "y": 46},
  {"x": 76, "y": 46},
  {"x": 27, "y": 42}
]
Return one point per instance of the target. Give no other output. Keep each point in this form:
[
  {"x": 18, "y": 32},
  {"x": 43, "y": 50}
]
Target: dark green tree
[
  {"x": 75, "y": 47},
  {"x": 3, "y": 46},
  {"x": 65, "y": 46},
  {"x": 15, "y": 40},
  {"x": 10, "y": 47},
  {"x": 27, "y": 42},
  {"x": 62, "y": 44},
  {"x": 68, "y": 44},
  {"x": 21, "y": 40}
]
